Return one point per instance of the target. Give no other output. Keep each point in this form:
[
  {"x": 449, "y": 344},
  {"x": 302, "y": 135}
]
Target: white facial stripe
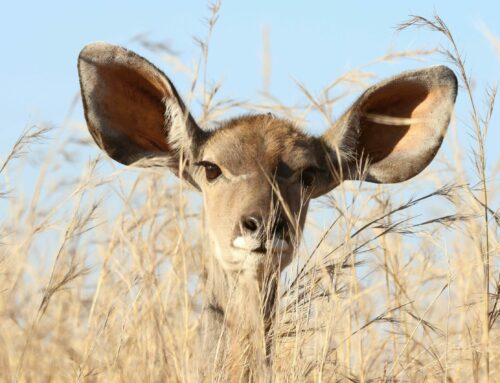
[
  {"x": 227, "y": 173},
  {"x": 241, "y": 177}
]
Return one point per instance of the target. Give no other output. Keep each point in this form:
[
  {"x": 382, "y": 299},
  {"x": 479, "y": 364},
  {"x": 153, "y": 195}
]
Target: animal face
[{"x": 258, "y": 173}]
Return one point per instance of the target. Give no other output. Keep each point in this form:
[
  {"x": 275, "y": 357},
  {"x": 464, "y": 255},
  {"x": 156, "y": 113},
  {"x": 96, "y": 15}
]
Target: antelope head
[{"x": 257, "y": 173}]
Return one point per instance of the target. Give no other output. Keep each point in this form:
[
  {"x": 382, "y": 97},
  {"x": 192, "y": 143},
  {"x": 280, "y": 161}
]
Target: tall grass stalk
[{"x": 100, "y": 268}]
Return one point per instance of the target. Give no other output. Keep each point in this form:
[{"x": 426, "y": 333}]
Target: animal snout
[
  {"x": 256, "y": 225},
  {"x": 258, "y": 234}
]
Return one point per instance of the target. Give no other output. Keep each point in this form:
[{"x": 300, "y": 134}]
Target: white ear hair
[
  {"x": 178, "y": 136},
  {"x": 133, "y": 111}
]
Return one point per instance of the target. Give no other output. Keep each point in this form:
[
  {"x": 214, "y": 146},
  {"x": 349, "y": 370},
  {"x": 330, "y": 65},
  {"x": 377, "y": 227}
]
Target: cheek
[
  {"x": 219, "y": 206},
  {"x": 297, "y": 204}
]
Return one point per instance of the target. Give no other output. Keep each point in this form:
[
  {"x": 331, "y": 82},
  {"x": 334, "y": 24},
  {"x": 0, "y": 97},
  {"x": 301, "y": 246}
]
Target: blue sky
[{"x": 313, "y": 42}]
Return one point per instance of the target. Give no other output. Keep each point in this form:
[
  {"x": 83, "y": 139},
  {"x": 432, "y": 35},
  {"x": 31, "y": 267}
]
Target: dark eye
[
  {"x": 212, "y": 171},
  {"x": 308, "y": 176}
]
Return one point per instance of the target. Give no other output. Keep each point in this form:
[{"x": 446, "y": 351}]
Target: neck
[{"x": 237, "y": 318}]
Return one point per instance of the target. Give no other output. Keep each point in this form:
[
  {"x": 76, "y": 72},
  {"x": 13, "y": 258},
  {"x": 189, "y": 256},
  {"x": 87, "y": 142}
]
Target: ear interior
[
  {"x": 131, "y": 99},
  {"x": 393, "y": 119},
  {"x": 394, "y": 130},
  {"x": 132, "y": 110}
]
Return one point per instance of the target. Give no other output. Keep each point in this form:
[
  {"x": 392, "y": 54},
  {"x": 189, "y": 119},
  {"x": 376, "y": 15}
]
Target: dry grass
[{"x": 100, "y": 271}]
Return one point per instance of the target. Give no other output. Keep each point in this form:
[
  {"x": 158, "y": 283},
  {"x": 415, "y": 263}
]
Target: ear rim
[
  {"x": 347, "y": 129},
  {"x": 101, "y": 54}
]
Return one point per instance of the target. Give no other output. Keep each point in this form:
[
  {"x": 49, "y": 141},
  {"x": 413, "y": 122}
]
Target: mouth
[
  {"x": 261, "y": 250},
  {"x": 254, "y": 245}
]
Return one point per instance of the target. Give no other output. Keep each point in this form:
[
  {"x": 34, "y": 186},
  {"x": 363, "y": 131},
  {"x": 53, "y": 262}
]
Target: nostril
[
  {"x": 281, "y": 225},
  {"x": 251, "y": 224},
  {"x": 280, "y": 228}
]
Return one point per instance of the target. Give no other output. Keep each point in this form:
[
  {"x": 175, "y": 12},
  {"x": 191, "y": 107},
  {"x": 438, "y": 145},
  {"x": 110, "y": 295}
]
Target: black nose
[
  {"x": 254, "y": 224},
  {"x": 251, "y": 224}
]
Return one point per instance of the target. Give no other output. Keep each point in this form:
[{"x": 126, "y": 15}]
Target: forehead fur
[{"x": 242, "y": 142}]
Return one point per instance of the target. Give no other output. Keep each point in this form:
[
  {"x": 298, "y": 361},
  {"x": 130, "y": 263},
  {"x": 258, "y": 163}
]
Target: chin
[{"x": 249, "y": 263}]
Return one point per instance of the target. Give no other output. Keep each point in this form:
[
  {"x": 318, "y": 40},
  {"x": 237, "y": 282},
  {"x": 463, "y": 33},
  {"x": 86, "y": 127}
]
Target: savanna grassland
[{"x": 100, "y": 264}]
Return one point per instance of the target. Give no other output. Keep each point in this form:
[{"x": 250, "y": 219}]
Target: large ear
[
  {"x": 133, "y": 111},
  {"x": 394, "y": 130}
]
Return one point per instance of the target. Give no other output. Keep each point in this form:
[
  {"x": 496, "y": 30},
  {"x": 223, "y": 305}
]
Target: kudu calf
[{"x": 257, "y": 173}]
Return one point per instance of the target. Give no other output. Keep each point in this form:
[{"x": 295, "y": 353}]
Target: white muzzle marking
[
  {"x": 246, "y": 243},
  {"x": 249, "y": 243}
]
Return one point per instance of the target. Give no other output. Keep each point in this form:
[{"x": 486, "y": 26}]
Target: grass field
[{"x": 100, "y": 264}]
